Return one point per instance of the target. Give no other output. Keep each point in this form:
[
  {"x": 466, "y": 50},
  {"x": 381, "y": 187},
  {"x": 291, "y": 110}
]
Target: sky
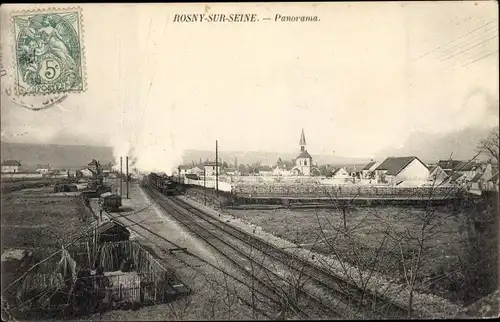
[{"x": 360, "y": 80}]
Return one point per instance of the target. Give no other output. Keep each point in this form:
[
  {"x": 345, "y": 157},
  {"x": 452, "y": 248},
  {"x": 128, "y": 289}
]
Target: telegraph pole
[
  {"x": 205, "y": 186},
  {"x": 126, "y": 167},
  {"x": 216, "y": 168},
  {"x": 121, "y": 176}
]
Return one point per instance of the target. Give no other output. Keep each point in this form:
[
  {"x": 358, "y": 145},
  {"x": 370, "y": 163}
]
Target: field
[
  {"x": 34, "y": 220},
  {"x": 371, "y": 240}
]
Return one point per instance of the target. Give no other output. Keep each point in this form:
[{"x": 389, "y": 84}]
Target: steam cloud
[{"x": 149, "y": 145}]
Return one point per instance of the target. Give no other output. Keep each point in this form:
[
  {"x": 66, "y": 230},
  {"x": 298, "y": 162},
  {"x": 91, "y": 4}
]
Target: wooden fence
[
  {"x": 130, "y": 272},
  {"x": 341, "y": 191}
]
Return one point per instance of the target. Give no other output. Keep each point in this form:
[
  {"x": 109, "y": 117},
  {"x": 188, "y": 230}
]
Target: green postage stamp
[{"x": 48, "y": 51}]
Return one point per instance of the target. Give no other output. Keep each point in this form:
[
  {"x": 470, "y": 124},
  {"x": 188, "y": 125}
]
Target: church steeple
[{"x": 302, "y": 141}]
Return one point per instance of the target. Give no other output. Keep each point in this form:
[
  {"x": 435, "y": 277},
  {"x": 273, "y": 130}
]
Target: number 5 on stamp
[{"x": 48, "y": 51}]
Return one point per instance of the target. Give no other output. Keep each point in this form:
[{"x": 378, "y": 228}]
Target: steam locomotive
[{"x": 168, "y": 185}]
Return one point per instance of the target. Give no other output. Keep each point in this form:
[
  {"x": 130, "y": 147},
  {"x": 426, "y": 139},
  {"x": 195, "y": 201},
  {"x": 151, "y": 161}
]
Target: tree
[
  {"x": 225, "y": 165},
  {"x": 242, "y": 169},
  {"x": 489, "y": 145}
]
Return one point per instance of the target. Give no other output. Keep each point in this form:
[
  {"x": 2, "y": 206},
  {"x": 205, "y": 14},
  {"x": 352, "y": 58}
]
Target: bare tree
[{"x": 489, "y": 145}]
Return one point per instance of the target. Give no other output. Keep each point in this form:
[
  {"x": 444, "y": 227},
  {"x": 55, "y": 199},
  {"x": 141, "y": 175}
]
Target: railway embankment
[
  {"x": 424, "y": 304},
  {"x": 206, "y": 300}
]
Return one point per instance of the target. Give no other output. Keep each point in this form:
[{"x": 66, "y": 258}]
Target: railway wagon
[{"x": 110, "y": 201}]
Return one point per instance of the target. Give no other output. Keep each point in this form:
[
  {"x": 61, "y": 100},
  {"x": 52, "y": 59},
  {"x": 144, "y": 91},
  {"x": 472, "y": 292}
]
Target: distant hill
[
  {"x": 61, "y": 156},
  {"x": 265, "y": 158},
  {"x": 430, "y": 147}
]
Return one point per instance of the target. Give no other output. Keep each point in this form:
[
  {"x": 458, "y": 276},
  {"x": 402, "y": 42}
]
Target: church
[{"x": 303, "y": 163}]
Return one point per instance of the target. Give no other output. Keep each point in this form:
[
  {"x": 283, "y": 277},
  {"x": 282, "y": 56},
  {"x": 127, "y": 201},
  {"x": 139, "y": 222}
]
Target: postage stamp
[{"x": 48, "y": 52}]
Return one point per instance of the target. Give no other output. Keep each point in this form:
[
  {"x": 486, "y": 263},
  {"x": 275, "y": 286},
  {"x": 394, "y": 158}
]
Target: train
[{"x": 168, "y": 185}]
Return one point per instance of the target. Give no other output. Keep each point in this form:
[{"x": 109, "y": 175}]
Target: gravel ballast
[{"x": 425, "y": 305}]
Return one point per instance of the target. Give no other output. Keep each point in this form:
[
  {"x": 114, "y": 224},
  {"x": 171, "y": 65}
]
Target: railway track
[
  {"x": 266, "y": 306},
  {"x": 331, "y": 286},
  {"x": 367, "y": 302},
  {"x": 275, "y": 286}
]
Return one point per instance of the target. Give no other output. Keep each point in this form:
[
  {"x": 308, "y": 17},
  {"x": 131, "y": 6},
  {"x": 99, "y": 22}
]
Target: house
[
  {"x": 489, "y": 171},
  {"x": 493, "y": 182},
  {"x": 303, "y": 162},
  {"x": 265, "y": 170},
  {"x": 93, "y": 166},
  {"x": 480, "y": 181},
  {"x": 211, "y": 168},
  {"x": 315, "y": 171},
  {"x": 456, "y": 179},
  {"x": 183, "y": 169},
  {"x": 196, "y": 170},
  {"x": 469, "y": 168},
  {"x": 86, "y": 172},
  {"x": 353, "y": 171},
  {"x": 449, "y": 165},
  {"x": 476, "y": 183},
  {"x": 282, "y": 171},
  {"x": 282, "y": 168},
  {"x": 43, "y": 168},
  {"x": 10, "y": 166},
  {"x": 369, "y": 170},
  {"x": 437, "y": 174},
  {"x": 396, "y": 169},
  {"x": 231, "y": 171},
  {"x": 340, "y": 173}
]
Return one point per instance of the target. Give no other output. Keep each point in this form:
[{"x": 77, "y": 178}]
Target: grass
[{"x": 303, "y": 226}]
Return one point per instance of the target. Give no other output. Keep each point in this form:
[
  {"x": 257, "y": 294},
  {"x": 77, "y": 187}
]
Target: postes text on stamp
[{"x": 48, "y": 52}]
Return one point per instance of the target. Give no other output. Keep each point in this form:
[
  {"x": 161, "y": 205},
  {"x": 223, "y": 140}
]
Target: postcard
[{"x": 250, "y": 161}]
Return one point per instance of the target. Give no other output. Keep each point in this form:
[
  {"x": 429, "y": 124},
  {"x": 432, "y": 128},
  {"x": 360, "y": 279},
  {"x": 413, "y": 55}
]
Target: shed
[{"x": 112, "y": 231}]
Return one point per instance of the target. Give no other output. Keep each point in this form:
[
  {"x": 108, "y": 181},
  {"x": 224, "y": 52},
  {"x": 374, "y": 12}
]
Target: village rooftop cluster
[{"x": 411, "y": 171}]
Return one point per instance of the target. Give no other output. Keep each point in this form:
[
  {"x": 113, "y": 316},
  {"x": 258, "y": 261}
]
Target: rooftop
[
  {"x": 304, "y": 155},
  {"x": 369, "y": 165},
  {"x": 394, "y": 165},
  {"x": 11, "y": 163},
  {"x": 477, "y": 177}
]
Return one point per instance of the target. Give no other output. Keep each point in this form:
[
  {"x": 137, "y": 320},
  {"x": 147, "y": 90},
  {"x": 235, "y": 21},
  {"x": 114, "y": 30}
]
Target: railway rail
[
  {"x": 193, "y": 261},
  {"x": 330, "y": 286},
  {"x": 269, "y": 282}
]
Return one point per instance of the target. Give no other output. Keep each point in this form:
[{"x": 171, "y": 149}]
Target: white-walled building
[
  {"x": 86, "y": 172},
  {"x": 11, "y": 166},
  {"x": 340, "y": 173},
  {"x": 265, "y": 170},
  {"x": 282, "y": 169},
  {"x": 211, "y": 168},
  {"x": 396, "y": 169},
  {"x": 437, "y": 174},
  {"x": 43, "y": 168},
  {"x": 196, "y": 170},
  {"x": 367, "y": 171}
]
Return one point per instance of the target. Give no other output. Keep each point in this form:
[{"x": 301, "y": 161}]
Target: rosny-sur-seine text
[{"x": 239, "y": 17}]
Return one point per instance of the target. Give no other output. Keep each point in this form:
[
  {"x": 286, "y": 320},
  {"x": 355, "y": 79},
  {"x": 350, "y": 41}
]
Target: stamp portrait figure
[{"x": 48, "y": 53}]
